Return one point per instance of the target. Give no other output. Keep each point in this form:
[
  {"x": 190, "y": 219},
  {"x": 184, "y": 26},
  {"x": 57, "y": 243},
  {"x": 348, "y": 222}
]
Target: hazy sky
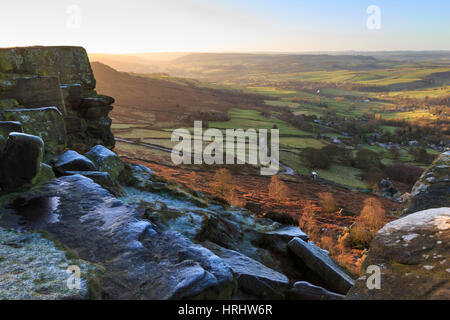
[{"x": 121, "y": 26}]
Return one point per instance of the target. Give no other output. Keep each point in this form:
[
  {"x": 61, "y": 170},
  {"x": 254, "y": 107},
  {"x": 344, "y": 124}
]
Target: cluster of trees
[
  {"x": 300, "y": 121},
  {"x": 403, "y": 172},
  {"x": 421, "y": 155},
  {"x": 323, "y": 158}
]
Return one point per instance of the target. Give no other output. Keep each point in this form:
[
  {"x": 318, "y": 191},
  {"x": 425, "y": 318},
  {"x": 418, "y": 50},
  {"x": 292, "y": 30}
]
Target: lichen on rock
[
  {"x": 413, "y": 256},
  {"x": 61, "y": 77}
]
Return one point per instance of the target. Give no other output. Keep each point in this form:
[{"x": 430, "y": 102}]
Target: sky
[{"x": 130, "y": 26}]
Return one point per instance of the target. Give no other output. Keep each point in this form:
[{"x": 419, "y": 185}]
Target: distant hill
[
  {"x": 138, "y": 62},
  {"x": 162, "y": 98},
  {"x": 123, "y": 63},
  {"x": 233, "y": 66},
  {"x": 254, "y": 69}
]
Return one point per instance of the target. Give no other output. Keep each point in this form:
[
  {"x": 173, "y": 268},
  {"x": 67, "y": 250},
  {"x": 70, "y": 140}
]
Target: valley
[{"x": 355, "y": 120}]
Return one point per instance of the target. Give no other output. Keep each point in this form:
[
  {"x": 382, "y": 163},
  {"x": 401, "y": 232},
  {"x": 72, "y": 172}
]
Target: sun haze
[{"x": 224, "y": 26}]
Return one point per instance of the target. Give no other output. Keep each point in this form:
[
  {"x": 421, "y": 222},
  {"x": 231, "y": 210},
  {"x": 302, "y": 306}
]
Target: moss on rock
[{"x": 46, "y": 123}]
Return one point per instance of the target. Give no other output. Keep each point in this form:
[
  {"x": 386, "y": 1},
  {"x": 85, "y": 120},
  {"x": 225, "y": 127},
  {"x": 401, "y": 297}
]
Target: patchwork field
[{"x": 356, "y": 102}]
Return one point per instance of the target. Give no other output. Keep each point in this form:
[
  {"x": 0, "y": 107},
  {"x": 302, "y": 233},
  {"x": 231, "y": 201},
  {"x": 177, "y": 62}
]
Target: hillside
[{"x": 163, "y": 98}]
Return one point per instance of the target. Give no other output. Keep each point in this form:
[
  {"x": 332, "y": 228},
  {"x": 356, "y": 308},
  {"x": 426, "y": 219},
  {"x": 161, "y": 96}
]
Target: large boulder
[
  {"x": 413, "y": 254},
  {"x": 59, "y": 77},
  {"x": 139, "y": 260},
  {"x": 47, "y": 123},
  {"x": 320, "y": 263},
  {"x": 103, "y": 179},
  {"x": 106, "y": 160},
  {"x": 20, "y": 161},
  {"x": 253, "y": 278},
  {"x": 433, "y": 188},
  {"x": 73, "y": 161}
]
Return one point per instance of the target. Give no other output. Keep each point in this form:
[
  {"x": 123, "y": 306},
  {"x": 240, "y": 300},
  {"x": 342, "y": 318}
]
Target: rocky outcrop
[
  {"x": 140, "y": 261},
  {"x": 44, "y": 85},
  {"x": 171, "y": 208},
  {"x": 412, "y": 254},
  {"x": 320, "y": 262},
  {"x": 433, "y": 188},
  {"x": 71, "y": 64},
  {"x": 136, "y": 235}
]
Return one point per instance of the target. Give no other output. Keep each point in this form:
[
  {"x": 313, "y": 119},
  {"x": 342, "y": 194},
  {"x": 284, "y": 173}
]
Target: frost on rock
[{"x": 32, "y": 267}]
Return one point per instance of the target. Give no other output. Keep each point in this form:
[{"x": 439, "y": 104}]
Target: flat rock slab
[
  {"x": 253, "y": 277},
  {"x": 413, "y": 257},
  {"x": 140, "y": 261},
  {"x": 322, "y": 265}
]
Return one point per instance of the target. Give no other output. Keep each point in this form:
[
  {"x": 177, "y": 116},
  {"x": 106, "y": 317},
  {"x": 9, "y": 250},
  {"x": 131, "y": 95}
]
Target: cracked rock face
[
  {"x": 413, "y": 256},
  {"x": 433, "y": 188}
]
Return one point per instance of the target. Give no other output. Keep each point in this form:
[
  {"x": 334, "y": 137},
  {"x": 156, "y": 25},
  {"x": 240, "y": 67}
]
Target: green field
[{"x": 330, "y": 94}]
